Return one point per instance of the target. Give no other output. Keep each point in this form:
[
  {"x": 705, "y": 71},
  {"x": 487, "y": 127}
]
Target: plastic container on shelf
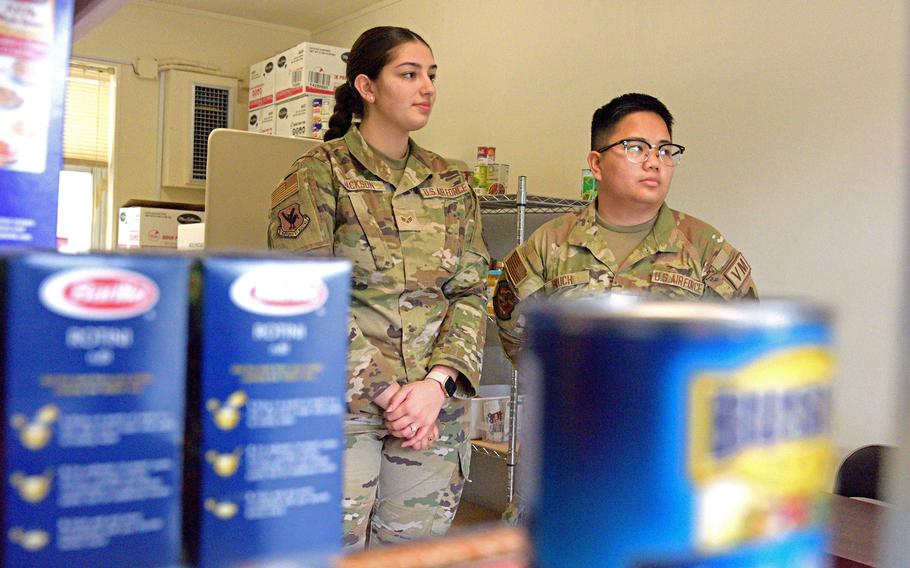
[{"x": 477, "y": 423}]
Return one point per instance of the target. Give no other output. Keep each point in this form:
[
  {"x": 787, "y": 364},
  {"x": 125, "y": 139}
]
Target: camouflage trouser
[{"x": 397, "y": 493}]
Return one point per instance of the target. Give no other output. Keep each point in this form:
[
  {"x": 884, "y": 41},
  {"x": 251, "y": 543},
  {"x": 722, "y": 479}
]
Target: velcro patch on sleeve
[
  {"x": 678, "y": 280},
  {"x": 292, "y": 222},
  {"x": 515, "y": 266},
  {"x": 504, "y": 300},
  {"x": 361, "y": 184},
  {"x": 287, "y": 188},
  {"x": 446, "y": 192},
  {"x": 737, "y": 271}
]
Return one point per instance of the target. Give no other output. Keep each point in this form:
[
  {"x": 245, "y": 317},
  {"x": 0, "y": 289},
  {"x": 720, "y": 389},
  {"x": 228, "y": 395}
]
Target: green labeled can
[{"x": 588, "y": 185}]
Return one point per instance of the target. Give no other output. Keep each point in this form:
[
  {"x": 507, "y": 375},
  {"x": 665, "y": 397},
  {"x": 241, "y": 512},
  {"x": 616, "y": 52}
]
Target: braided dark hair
[{"x": 368, "y": 56}]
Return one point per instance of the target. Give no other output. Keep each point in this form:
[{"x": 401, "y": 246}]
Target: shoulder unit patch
[
  {"x": 504, "y": 300},
  {"x": 291, "y": 221}
]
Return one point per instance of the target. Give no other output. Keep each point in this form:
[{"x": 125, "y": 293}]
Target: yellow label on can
[{"x": 759, "y": 445}]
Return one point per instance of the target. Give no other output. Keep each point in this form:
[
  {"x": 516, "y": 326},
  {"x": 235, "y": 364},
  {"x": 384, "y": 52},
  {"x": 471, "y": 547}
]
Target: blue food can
[{"x": 676, "y": 435}]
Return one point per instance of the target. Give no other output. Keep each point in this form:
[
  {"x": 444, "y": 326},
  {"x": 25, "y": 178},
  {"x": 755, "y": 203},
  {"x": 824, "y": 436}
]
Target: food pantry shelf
[
  {"x": 506, "y": 204},
  {"x": 498, "y": 450},
  {"x": 520, "y": 205}
]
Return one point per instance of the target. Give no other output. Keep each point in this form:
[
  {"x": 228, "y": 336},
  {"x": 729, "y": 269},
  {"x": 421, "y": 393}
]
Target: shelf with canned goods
[{"x": 500, "y": 235}]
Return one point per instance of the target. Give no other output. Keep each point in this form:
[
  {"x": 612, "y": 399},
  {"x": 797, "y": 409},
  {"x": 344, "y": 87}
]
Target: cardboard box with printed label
[
  {"x": 262, "y": 120},
  {"x": 304, "y": 117},
  {"x": 191, "y": 237},
  {"x": 153, "y": 224},
  {"x": 262, "y": 84},
  {"x": 309, "y": 68}
]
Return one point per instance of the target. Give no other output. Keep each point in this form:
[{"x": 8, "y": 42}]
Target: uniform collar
[
  {"x": 416, "y": 170},
  {"x": 585, "y": 234},
  {"x": 662, "y": 237}
]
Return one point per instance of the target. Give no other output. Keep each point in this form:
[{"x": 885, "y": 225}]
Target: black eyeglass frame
[{"x": 626, "y": 141}]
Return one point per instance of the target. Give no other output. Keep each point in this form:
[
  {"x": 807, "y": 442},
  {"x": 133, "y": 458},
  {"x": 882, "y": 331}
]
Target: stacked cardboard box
[
  {"x": 292, "y": 93},
  {"x": 153, "y": 224}
]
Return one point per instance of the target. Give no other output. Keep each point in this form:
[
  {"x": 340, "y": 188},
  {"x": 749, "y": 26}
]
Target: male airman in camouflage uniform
[
  {"x": 680, "y": 257},
  {"x": 575, "y": 255},
  {"x": 419, "y": 267}
]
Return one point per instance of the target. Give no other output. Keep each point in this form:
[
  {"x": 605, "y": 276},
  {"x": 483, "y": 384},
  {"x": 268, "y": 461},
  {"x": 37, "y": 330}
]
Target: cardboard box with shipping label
[
  {"x": 309, "y": 68},
  {"x": 153, "y": 224}
]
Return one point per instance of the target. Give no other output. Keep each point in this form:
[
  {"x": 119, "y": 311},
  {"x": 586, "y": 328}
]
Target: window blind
[{"x": 87, "y": 120}]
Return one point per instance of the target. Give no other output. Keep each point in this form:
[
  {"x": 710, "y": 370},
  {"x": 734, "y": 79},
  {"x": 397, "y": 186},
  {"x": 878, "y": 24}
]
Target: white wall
[
  {"x": 159, "y": 31},
  {"x": 794, "y": 114}
]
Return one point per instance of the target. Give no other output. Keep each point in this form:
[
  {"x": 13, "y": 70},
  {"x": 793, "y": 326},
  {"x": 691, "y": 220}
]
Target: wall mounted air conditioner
[{"x": 192, "y": 105}]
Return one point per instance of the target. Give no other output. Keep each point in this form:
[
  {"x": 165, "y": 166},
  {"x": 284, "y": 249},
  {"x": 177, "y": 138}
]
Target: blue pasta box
[
  {"x": 266, "y": 468},
  {"x": 34, "y": 59},
  {"x": 94, "y": 363}
]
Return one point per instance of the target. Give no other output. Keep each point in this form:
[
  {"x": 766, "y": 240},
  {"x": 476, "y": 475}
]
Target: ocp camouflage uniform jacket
[
  {"x": 419, "y": 261},
  {"x": 682, "y": 258}
]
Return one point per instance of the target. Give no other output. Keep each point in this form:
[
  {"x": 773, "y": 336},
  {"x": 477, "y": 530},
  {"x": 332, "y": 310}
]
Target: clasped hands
[{"x": 411, "y": 411}]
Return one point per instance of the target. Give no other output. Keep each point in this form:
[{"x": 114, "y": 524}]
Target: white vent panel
[
  {"x": 211, "y": 110},
  {"x": 192, "y": 105}
]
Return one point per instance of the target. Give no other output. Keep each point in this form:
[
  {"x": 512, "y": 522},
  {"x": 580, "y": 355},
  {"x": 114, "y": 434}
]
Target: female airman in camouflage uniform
[{"x": 411, "y": 227}]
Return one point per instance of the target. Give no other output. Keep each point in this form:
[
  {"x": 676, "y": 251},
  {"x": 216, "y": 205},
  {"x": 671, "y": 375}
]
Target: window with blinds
[{"x": 87, "y": 123}]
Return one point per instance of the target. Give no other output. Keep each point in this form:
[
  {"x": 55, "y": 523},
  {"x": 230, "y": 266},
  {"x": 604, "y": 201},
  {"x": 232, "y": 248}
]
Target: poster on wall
[{"x": 34, "y": 58}]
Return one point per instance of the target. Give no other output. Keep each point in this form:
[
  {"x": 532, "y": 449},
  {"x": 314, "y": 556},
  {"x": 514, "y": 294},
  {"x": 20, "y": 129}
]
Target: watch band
[{"x": 445, "y": 381}]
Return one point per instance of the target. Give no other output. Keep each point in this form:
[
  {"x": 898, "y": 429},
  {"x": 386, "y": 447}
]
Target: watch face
[{"x": 450, "y": 386}]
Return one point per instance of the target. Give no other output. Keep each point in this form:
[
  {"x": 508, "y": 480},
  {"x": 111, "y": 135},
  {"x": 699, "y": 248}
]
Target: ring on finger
[{"x": 413, "y": 429}]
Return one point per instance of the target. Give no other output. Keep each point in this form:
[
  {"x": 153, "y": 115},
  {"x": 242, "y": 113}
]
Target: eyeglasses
[{"x": 638, "y": 151}]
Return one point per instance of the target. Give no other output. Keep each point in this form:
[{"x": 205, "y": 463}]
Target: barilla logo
[
  {"x": 282, "y": 291},
  {"x": 99, "y": 294}
]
